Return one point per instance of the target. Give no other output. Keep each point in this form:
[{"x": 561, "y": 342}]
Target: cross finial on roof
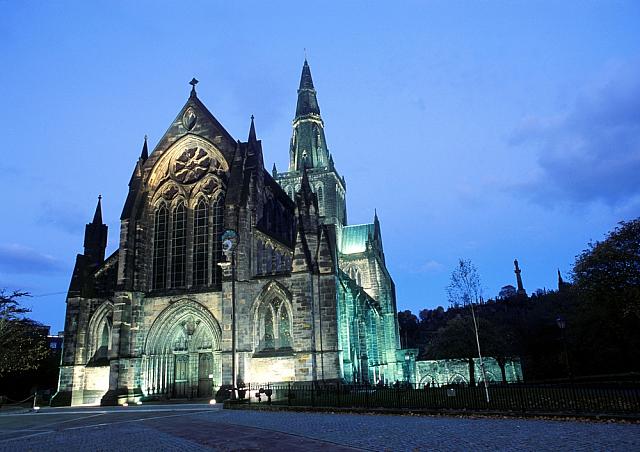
[{"x": 193, "y": 84}]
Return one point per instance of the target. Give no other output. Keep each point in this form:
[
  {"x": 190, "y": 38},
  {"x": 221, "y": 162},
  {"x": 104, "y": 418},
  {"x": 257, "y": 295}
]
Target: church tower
[{"x": 309, "y": 152}]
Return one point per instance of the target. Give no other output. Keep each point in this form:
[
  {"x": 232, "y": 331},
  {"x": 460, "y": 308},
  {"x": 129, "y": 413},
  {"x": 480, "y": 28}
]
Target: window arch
[
  {"x": 273, "y": 326},
  {"x": 200, "y": 243},
  {"x": 160, "y": 248},
  {"x": 99, "y": 335},
  {"x": 179, "y": 246},
  {"x": 218, "y": 229}
]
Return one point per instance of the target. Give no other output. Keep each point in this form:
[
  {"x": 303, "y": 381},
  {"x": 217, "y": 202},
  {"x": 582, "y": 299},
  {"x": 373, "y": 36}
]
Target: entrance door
[
  {"x": 205, "y": 374},
  {"x": 181, "y": 376}
]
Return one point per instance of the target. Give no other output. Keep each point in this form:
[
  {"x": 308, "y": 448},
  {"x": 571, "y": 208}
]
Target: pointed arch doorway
[{"x": 182, "y": 353}]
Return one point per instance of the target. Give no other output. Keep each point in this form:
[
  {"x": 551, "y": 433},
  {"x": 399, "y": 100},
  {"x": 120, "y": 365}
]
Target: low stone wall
[{"x": 456, "y": 371}]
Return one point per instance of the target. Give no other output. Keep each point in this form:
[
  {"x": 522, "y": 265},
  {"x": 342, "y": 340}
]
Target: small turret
[
  {"x": 144, "y": 155},
  {"x": 95, "y": 237}
]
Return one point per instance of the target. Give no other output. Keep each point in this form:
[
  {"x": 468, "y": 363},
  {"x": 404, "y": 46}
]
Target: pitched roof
[{"x": 355, "y": 237}]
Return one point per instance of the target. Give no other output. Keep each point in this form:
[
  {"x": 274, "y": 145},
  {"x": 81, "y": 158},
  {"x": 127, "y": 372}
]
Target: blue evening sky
[{"x": 484, "y": 130}]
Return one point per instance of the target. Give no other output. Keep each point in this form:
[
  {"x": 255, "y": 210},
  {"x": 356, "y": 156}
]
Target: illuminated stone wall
[{"x": 456, "y": 371}]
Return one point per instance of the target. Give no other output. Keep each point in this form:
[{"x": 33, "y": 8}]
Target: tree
[
  {"x": 409, "y": 327},
  {"x": 23, "y": 342},
  {"x": 465, "y": 290},
  {"x": 455, "y": 340},
  {"x": 606, "y": 279}
]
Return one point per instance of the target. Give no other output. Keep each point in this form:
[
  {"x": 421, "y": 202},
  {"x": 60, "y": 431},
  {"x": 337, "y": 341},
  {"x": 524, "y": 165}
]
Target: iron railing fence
[{"x": 502, "y": 398}]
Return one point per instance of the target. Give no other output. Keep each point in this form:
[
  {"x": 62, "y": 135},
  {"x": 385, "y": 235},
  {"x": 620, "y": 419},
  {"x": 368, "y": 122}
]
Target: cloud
[
  {"x": 431, "y": 266},
  {"x": 591, "y": 152},
  {"x": 19, "y": 259}
]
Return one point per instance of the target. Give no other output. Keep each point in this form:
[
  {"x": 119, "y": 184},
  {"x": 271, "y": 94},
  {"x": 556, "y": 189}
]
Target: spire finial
[
  {"x": 193, "y": 84},
  {"x": 305, "y": 54},
  {"x": 97, "y": 216},
  {"x": 252, "y": 131},
  {"x": 144, "y": 155}
]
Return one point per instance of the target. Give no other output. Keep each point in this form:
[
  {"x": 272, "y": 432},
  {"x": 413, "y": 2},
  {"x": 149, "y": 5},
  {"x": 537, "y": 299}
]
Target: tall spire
[
  {"x": 144, "y": 155},
  {"x": 307, "y": 101},
  {"x": 97, "y": 216},
  {"x": 252, "y": 131},
  {"x": 308, "y": 144}
]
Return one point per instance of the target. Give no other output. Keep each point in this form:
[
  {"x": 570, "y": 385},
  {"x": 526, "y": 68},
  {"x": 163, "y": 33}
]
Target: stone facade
[{"x": 312, "y": 297}]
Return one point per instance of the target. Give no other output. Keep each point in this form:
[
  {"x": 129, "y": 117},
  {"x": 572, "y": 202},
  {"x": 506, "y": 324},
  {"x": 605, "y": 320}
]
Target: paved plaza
[{"x": 203, "y": 427}]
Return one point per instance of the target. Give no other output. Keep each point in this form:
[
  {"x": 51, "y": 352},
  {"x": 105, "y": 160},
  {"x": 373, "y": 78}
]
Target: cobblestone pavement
[{"x": 201, "y": 427}]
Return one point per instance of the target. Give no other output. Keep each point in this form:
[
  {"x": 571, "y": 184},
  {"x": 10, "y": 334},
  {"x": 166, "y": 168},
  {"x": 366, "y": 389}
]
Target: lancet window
[
  {"x": 160, "y": 248},
  {"x": 200, "y": 243},
  {"x": 320, "y": 194},
  {"x": 354, "y": 273},
  {"x": 273, "y": 326},
  {"x": 218, "y": 230},
  {"x": 179, "y": 246}
]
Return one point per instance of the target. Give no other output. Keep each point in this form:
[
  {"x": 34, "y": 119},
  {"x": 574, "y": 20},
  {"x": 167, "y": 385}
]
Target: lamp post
[
  {"x": 562, "y": 325},
  {"x": 229, "y": 244}
]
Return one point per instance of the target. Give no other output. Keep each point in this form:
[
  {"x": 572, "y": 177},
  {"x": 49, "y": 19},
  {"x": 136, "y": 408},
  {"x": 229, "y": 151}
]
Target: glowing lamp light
[
  {"x": 139, "y": 402},
  {"x": 125, "y": 404},
  {"x": 212, "y": 402},
  {"x": 36, "y": 408}
]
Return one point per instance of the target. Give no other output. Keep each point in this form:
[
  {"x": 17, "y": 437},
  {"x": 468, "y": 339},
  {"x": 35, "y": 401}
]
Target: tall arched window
[
  {"x": 179, "y": 246},
  {"x": 200, "y": 243},
  {"x": 160, "y": 248},
  {"x": 320, "y": 194},
  {"x": 218, "y": 229}
]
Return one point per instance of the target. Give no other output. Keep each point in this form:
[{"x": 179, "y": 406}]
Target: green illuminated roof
[{"x": 354, "y": 238}]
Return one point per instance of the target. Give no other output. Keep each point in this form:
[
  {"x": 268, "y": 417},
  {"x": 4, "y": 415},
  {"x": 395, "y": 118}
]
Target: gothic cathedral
[{"x": 227, "y": 274}]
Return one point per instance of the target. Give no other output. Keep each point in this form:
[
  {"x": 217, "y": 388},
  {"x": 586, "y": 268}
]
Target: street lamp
[
  {"x": 229, "y": 244},
  {"x": 562, "y": 325}
]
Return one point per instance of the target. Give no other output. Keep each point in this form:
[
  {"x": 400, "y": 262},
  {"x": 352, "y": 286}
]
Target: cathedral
[{"x": 227, "y": 274}]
